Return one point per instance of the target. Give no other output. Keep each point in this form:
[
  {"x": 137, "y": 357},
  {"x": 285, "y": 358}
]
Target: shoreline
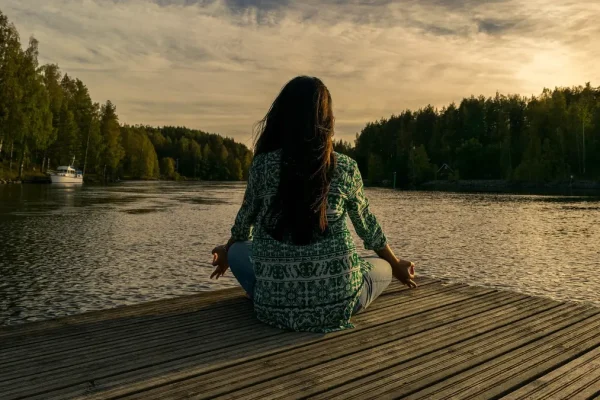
[
  {"x": 26, "y": 180},
  {"x": 93, "y": 181},
  {"x": 583, "y": 187}
]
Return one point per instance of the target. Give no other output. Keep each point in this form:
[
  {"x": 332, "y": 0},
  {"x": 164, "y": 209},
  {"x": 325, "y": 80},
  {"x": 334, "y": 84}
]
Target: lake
[{"x": 67, "y": 250}]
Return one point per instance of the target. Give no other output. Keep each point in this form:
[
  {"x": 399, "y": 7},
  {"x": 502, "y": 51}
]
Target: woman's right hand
[
  {"x": 404, "y": 271},
  {"x": 219, "y": 261}
]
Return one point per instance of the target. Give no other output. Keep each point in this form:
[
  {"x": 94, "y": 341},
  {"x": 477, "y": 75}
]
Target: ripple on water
[{"x": 65, "y": 252}]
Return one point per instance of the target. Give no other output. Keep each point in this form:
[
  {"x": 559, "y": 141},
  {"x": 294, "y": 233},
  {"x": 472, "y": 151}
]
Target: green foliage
[
  {"x": 11, "y": 88},
  {"x": 201, "y": 155},
  {"x": 140, "y": 161},
  {"x": 343, "y": 147},
  {"x": 111, "y": 134},
  {"x": 375, "y": 169},
  {"x": 47, "y": 119},
  {"x": 421, "y": 170},
  {"x": 30, "y": 118},
  {"x": 470, "y": 159},
  {"x": 167, "y": 166},
  {"x": 454, "y": 176},
  {"x": 67, "y": 136},
  {"x": 538, "y": 139}
]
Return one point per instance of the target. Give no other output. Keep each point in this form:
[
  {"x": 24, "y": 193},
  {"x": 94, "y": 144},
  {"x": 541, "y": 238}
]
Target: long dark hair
[{"x": 300, "y": 124}]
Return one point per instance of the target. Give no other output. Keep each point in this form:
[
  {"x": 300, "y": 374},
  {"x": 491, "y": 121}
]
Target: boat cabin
[{"x": 68, "y": 171}]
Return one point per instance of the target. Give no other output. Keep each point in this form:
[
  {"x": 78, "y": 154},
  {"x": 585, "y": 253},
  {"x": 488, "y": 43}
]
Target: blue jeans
[{"x": 375, "y": 281}]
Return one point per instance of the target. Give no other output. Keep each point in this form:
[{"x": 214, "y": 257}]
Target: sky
[{"x": 216, "y": 65}]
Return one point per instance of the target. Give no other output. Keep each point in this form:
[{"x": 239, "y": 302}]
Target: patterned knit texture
[{"x": 315, "y": 287}]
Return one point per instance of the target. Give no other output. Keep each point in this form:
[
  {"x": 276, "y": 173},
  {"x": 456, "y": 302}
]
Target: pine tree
[
  {"x": 111, "y": 135},
  {"x": 10, "y": 86}
]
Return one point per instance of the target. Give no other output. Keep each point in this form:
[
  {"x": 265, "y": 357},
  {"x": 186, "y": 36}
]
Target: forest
[
  {"x": 47, "y": 118},
  {"x": 553, "y": 137}
]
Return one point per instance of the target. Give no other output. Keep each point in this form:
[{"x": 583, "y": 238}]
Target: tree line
[
  {"x": 551, "y": 137},
  {"x": 47, "y": 119}
]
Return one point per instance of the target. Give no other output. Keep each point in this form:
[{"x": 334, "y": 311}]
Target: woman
[{"x": 290, "y": 247}]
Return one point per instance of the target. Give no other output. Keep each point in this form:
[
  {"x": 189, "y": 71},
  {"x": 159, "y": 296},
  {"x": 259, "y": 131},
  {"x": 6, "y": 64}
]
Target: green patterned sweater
[{"x": 314, "y": 287}]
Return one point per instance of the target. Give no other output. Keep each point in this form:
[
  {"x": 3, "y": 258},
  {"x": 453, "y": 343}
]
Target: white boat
[{"x": 66, "y": 174}]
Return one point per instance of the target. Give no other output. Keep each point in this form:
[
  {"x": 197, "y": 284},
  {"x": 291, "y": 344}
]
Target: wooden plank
[
  {"x": 117, "y": 317},
  {"x": 150, "y": 354},
  {"x": 209, "y": 304},
  {"x": 210, "y": 385},
  {"x": 56, "y": 343},
  {"x": 175, "y": 304},
  {"x": 228, "y": 353},
  {"x": 365, "y": 362},
  {"x": 367, "y": 377},
  {"x": 375, "y": 315},
  {"x": 538, "y": 360},
  {"x": 592, "y": 392},
  {"x": 485, "y": 344},
  {"x": 86, "y": 346},
  {"x": 456, "y": 352},
  {"x": 524, "y": 363},
  {"x": 198, "y": 332},
  {"x": 87, "y": 343},
  {"x": 225, "y": 356},
  {"x": 579, "y": 378}
]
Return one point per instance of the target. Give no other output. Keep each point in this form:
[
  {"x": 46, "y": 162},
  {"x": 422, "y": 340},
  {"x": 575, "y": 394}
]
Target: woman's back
[
  {"x": 301, "y": 268},
  {"x": 312, "y": 287}
]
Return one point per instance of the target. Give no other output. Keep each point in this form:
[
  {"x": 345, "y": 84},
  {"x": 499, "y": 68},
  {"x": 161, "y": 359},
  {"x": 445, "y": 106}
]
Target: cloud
[
  {"x": 494, "y": 27},
  {"x": 216, "y": 65}
]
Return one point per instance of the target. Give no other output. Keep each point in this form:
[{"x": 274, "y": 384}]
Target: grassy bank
[
  {"x": 11, "y": 175},
  {"x": 7, "y": 175}
]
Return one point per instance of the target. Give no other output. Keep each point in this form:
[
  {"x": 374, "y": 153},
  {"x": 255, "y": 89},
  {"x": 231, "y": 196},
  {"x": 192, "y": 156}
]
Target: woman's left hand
[
  {"x": 404, "y": 271},
  {"x": 219, "y": 261}
]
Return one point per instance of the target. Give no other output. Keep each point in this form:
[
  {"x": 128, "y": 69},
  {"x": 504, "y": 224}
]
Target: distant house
[{"x": 444, "y": 172}]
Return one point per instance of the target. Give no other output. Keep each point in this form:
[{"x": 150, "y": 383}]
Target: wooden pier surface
[{"x": 438, "y": 341}]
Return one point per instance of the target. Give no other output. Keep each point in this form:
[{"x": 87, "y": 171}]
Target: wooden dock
[{"x": 438, "y": 341}]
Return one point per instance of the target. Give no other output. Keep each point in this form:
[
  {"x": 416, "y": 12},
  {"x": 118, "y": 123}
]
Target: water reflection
[{"x": 65, "y": 250}]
